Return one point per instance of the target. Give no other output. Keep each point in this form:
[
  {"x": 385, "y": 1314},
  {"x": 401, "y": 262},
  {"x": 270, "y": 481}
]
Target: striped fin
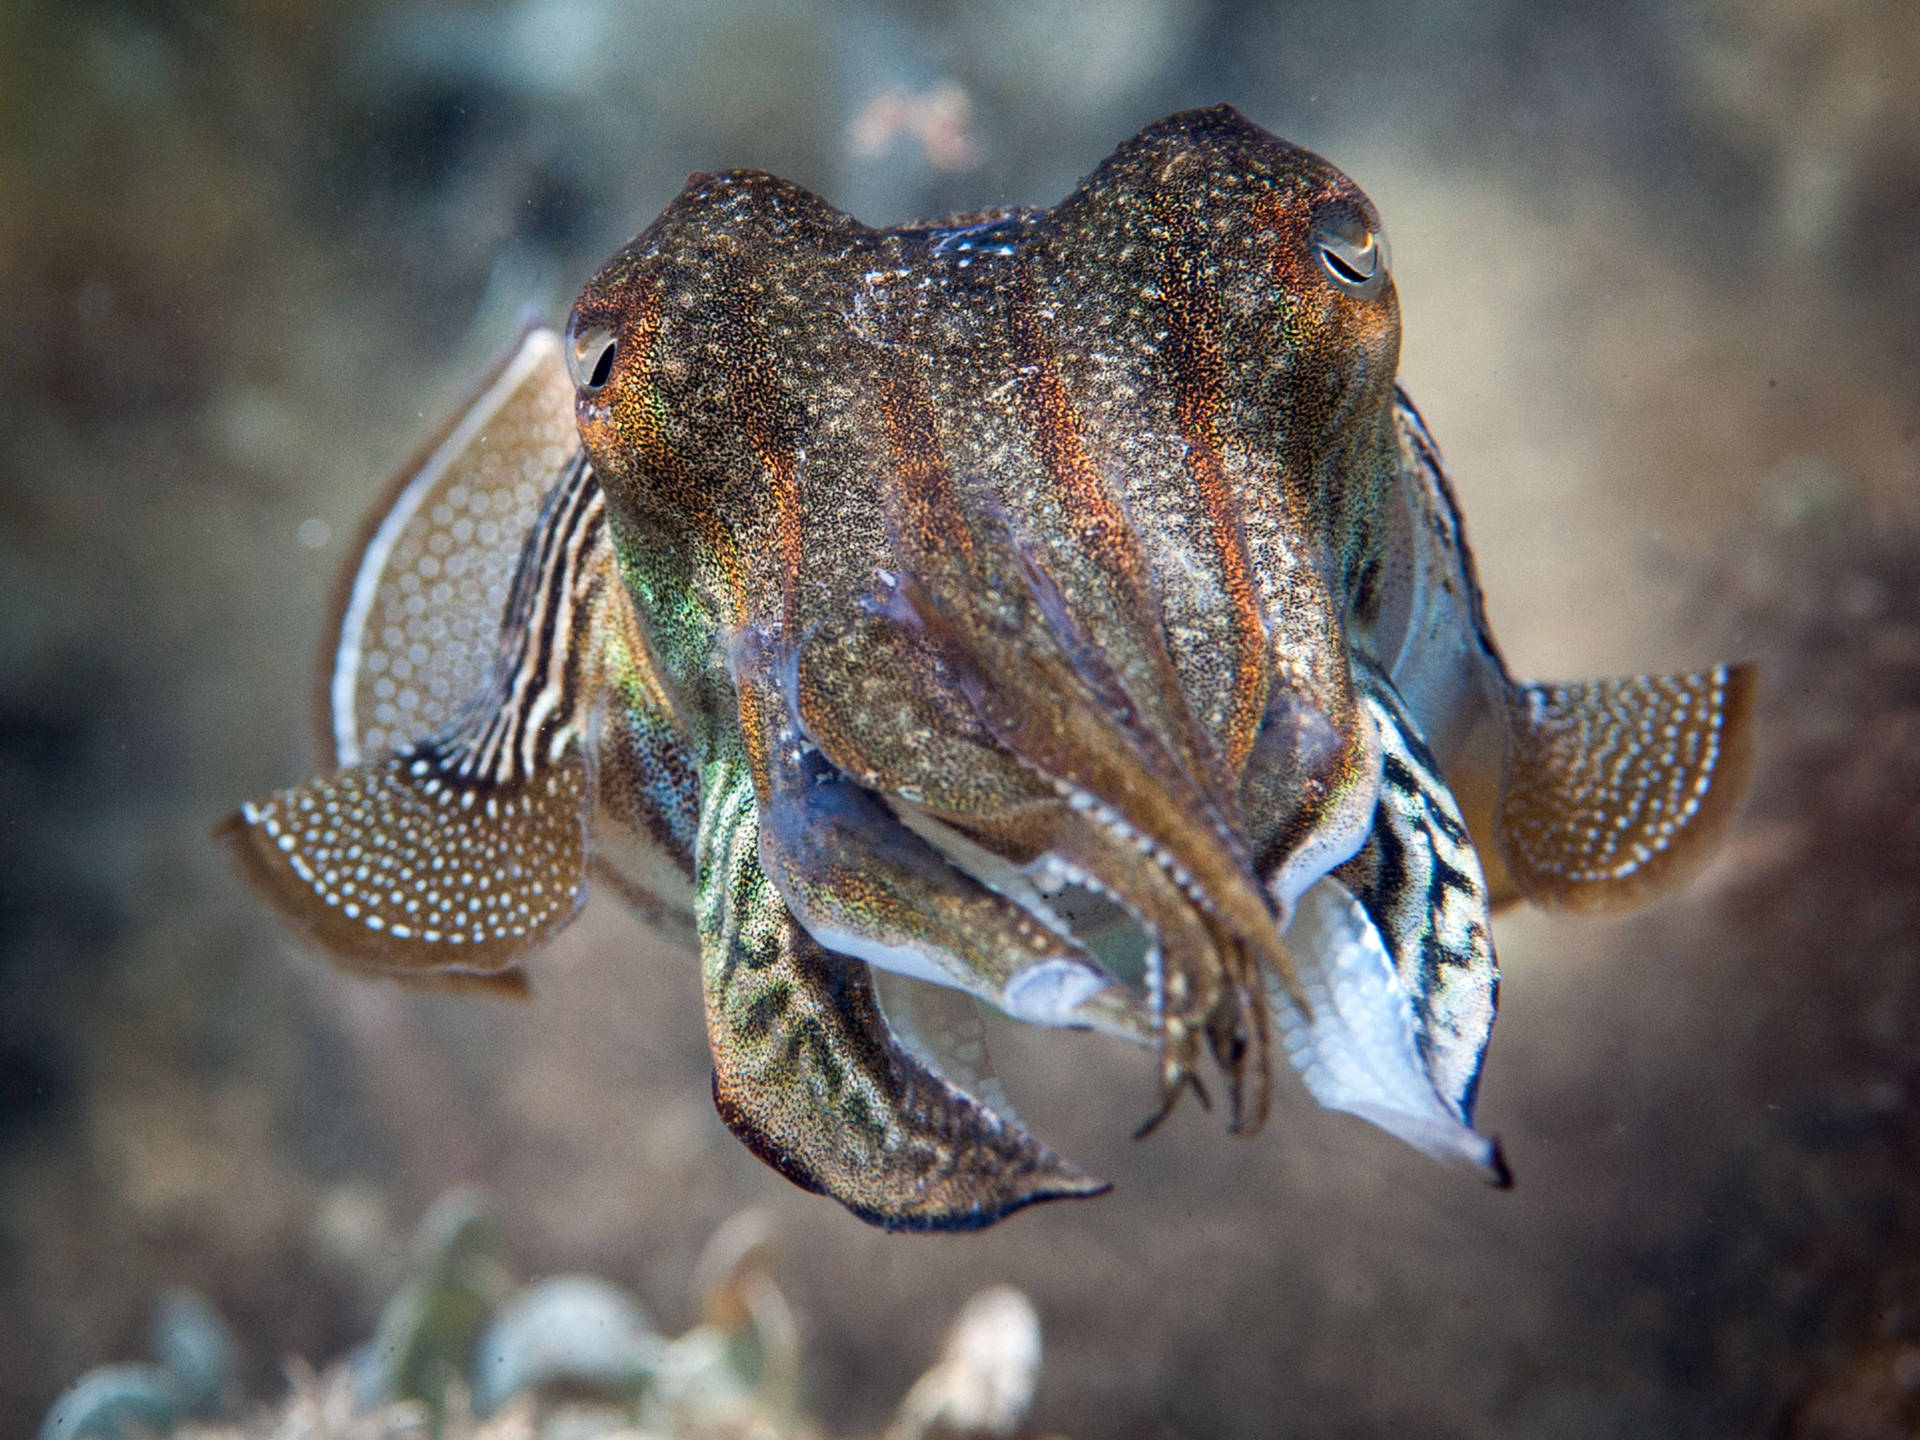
[
  {"x": 1433, "y": 641},
  {"x": 1419, "y": 879},
  {"x": 457, "y": 855},
  {"x": 1616, "y": 790},
  {"x": 1592, "y": 796},
  {"x": 417, "y": 615},
  {"x": 417, "y": 620}
]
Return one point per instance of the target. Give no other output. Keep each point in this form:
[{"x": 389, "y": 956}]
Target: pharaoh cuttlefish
[{"x": 1065, "y": 607}]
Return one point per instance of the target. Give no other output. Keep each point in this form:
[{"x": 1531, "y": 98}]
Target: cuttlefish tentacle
[
  {"x": 455, "y": 856},
  {"x": 1436, "y": 645},
  {"x": 1397, "y": 952},
  {"x": 807, "y": 1074},
  {"x": 1420, "y": 881}
]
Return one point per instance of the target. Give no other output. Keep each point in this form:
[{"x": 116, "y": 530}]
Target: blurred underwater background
[{"x": 1659, "y": 266}]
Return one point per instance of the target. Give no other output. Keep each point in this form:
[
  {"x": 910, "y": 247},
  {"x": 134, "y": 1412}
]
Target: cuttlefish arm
[
  {"x": 1135, "y": 809},
  {"x": 1361, "y": 1050},
  {"x": 807, "y": 1073},
  {"x": 1405, "y": 980},
  {"x": 1590, "y": 796},
  {"x": 866, "y": 885}
]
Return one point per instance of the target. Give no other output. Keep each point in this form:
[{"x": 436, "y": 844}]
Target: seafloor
[{"x": 1660, "y": 268}]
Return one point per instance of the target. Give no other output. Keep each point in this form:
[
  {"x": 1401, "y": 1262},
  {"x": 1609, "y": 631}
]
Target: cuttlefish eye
[
  {"x": 590, "y": 354},
  {"x": 1354, "y": 257}
]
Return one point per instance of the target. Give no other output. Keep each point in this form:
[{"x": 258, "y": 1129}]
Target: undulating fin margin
[
  {"x": 1448, "y": 515},
  {"x": 1610, "y": 792},
  {"x": 1453, "y": 679},
  {"x": 505, "y": 447},
  {"x": 457, "y": 855},
  {"x": 1616, "y": 790}
]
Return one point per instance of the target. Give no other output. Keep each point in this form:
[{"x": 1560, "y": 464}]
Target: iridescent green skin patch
[{"x": 1002, "y": 603}]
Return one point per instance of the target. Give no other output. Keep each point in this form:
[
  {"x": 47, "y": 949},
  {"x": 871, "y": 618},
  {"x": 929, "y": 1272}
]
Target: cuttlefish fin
[
  {"x": 1616, "y": 790},
  {"x": 414, "y": 635},
  {"x": 455, "y": 856},
  {"x": 405, "y": 868},
  {"x": 416, "y": 611},
  {"x": 808, "y": 1076},
  {"x": 1473, "y": 777}
]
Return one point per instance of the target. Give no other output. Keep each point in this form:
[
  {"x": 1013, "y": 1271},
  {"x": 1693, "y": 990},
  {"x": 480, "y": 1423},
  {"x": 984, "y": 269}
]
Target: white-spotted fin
[
  {"x": 1599, "y": 795},
  {"x": 1615, "y": 790},
  {"x": 402, "y": 868},
  {"x": 417, "y": 617},
  {"x": 459, "y": 854}
]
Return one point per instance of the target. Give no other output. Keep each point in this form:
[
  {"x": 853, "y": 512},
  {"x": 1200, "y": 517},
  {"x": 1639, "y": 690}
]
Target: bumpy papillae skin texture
[{"x": 903, "y": 576}]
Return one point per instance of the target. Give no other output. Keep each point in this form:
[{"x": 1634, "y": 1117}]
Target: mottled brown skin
[
  {"x": 782, "y": 370},
  {"x": 943, "y": 474}
]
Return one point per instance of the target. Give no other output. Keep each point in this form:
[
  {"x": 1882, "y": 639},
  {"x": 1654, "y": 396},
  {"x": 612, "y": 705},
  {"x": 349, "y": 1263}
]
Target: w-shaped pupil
[
  {"x": 590, "y": 356},
  {"x": 603, "y": 367},
  {"x": 1341, "y": 268}
]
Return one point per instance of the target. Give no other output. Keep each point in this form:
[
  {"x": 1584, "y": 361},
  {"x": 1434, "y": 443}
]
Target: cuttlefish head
[{"x": 1038, "y": 527}]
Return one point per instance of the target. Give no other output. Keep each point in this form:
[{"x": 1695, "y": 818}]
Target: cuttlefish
[{"x": 1062, "y": 609}]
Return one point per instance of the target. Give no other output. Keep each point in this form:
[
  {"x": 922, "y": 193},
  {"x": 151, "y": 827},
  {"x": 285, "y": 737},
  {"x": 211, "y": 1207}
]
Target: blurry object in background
[
  {"x": 1817, "y": 87},
  {"x": 195, "y": 1377},
  {"x": 428, "y": 1330},
  {"x": 196, "y": 1347},
  {"x": 575, "y": 1332},
  {"x": 988, "y": 1369},
  {"x": 1877, "y": 1397},
  {"x": 940, "y": 122},
  {"x": 460, "y": 1354},
  {"x": 115, "y": 1402},
  {"x": 738, "y": 1370}
]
